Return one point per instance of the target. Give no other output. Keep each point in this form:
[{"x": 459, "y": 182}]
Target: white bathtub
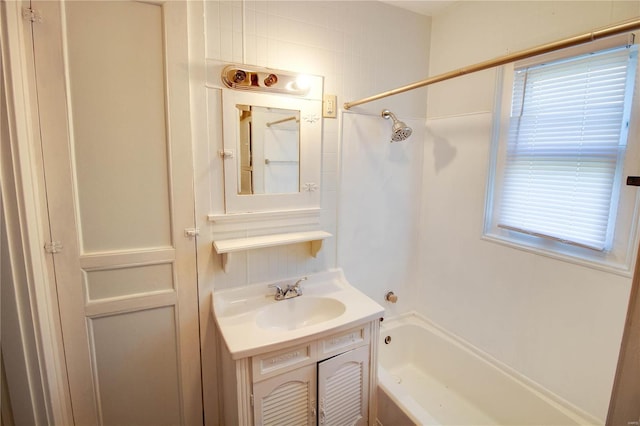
[{"x": 438, "y": 379}]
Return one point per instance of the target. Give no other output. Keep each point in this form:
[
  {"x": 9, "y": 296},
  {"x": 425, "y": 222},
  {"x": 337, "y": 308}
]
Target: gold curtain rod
[{"x": 513, "y": 57}]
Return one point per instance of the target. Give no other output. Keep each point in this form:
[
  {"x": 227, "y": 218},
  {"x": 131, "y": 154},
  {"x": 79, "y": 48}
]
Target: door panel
[
  {"x": 113, "y": 99},
  {"x": 117, "y": 93},
  {"x": 110, "y": 283},
  {"x": 130, "y": 389}
]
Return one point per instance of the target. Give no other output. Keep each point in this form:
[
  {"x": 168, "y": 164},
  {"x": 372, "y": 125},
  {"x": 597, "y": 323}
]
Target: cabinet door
[
  {"x": 343, "y": 388},
  {"x": 289, "y": 398}
]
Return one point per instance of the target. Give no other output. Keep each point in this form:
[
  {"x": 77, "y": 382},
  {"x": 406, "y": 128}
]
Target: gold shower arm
[{"x": 615, "y": 29}]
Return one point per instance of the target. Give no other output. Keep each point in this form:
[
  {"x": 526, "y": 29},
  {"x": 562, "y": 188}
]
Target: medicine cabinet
[{"x": 272, "y": 145}]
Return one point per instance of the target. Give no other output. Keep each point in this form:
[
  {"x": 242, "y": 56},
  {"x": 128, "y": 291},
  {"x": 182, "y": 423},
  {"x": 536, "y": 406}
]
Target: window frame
[{"x": 620, "y": 258}]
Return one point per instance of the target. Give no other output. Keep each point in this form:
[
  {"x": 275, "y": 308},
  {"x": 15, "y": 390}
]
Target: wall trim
[{"x": 30, "y": 209}]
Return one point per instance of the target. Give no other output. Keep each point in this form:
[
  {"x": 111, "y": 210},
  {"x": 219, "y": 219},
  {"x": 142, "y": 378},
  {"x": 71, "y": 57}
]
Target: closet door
[{"x": 113, "y": 103}]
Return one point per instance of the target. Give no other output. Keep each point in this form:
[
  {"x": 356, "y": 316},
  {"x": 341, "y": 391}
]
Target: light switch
[{"x": 329, "y": 106}]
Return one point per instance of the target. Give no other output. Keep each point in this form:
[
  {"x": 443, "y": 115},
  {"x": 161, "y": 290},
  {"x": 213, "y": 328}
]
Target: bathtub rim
[{"x": 578, "y": 415}]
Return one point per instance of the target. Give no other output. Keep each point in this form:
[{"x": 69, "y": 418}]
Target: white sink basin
[
  {"x": 251, "y": 321},
  {"x": 298, "y": 312}
]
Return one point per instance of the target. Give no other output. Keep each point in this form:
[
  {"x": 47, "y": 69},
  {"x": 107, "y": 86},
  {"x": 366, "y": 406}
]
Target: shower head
[{"x": 400, "y": 130}]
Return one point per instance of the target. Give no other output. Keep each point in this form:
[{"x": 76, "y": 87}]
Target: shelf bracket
[
  {"x": 315, "y": 246},
  {"x": 225, "y": 261}
]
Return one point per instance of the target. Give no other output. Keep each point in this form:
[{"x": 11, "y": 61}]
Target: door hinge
[
  {"x": 251, "y": 400},
  {"x": 31, "y": 15},
  {"x": 53, "y": 247},
  {"x": 191, "y": 232}
]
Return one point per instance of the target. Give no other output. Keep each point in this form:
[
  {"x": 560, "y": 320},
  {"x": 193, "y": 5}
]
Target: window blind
[{"x": 567, "y": 135}]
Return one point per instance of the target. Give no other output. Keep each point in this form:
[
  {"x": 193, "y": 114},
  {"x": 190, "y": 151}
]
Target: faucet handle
[
  {"x": 279, "y": 291},
  {"x": 297, "y": 287}
]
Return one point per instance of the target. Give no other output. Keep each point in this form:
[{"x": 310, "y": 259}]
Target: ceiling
[{"x": 423, "y": 7}]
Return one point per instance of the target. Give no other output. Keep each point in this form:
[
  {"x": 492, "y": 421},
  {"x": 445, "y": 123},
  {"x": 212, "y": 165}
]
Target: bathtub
[{"x": 436, "y": 378}]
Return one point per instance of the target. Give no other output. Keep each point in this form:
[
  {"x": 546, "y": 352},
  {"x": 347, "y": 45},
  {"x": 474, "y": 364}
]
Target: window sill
[{"x": 564, "y": 253}]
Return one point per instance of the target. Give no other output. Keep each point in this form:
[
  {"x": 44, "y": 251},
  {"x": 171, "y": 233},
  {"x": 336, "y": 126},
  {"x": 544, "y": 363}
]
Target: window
[{"x": 558, "y": 166}]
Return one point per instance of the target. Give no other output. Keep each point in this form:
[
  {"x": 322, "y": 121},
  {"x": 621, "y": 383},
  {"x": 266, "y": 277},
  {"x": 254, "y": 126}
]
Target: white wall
[
  {"x": 556, "y": 322},
  {"x": 361, "y": 48}
]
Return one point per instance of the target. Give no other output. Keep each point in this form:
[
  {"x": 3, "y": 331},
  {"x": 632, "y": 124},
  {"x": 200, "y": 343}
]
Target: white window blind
[{"x": 565, "y": 147}]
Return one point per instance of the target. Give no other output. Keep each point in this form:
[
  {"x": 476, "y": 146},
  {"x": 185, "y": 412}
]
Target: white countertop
[{"x": 236, "y": 312}]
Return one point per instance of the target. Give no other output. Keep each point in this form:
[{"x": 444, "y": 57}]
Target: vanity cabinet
[{"x": 324, "y": 380}]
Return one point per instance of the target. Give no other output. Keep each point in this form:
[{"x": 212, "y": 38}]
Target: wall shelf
[{"x": 225, "y": 248}]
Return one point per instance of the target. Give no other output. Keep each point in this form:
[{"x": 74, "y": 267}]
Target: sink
[
  {"x": 251, "y": 322},
  {"x": 298, "y": 312}
]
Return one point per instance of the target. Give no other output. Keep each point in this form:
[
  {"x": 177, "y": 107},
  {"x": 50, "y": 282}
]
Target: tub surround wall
[
  {"x": 556, "y": 322},
  {"x": 357, "y": 47},
  {"x": 380, "y": 183}
]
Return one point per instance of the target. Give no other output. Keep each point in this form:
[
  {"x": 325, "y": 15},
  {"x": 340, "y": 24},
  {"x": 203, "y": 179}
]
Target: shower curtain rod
[
  {"x": 523, "y": 54},
  {"x": 293, "y": 117}
]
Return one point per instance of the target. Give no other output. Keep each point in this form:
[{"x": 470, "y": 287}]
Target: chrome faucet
[
  {"x": 296, "y": 288},
  {"x": 289, "y": 291}
]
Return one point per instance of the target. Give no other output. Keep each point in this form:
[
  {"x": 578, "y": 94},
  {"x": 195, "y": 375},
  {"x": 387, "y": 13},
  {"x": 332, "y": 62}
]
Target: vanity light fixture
[
  {"x": 270, "y": 80},
  {"x": 243, "y": 77},
  {"x": 301, "y": 83}
]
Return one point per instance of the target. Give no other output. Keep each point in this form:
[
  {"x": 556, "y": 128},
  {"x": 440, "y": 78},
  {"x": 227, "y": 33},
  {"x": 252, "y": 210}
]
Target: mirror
[
  {"x": 272, "y": 149},
  {"x": 269, "y": 150}
]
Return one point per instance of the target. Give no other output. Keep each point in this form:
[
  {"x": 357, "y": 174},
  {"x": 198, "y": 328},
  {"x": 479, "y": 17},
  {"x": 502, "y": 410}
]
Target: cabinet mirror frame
[{"x": 310, "y": 153}]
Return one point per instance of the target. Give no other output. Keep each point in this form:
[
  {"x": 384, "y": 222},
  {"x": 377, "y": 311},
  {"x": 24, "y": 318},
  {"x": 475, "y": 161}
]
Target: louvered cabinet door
[
  {"x": 343, "y": 389},
  {"x": 286, "y": 399}
]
